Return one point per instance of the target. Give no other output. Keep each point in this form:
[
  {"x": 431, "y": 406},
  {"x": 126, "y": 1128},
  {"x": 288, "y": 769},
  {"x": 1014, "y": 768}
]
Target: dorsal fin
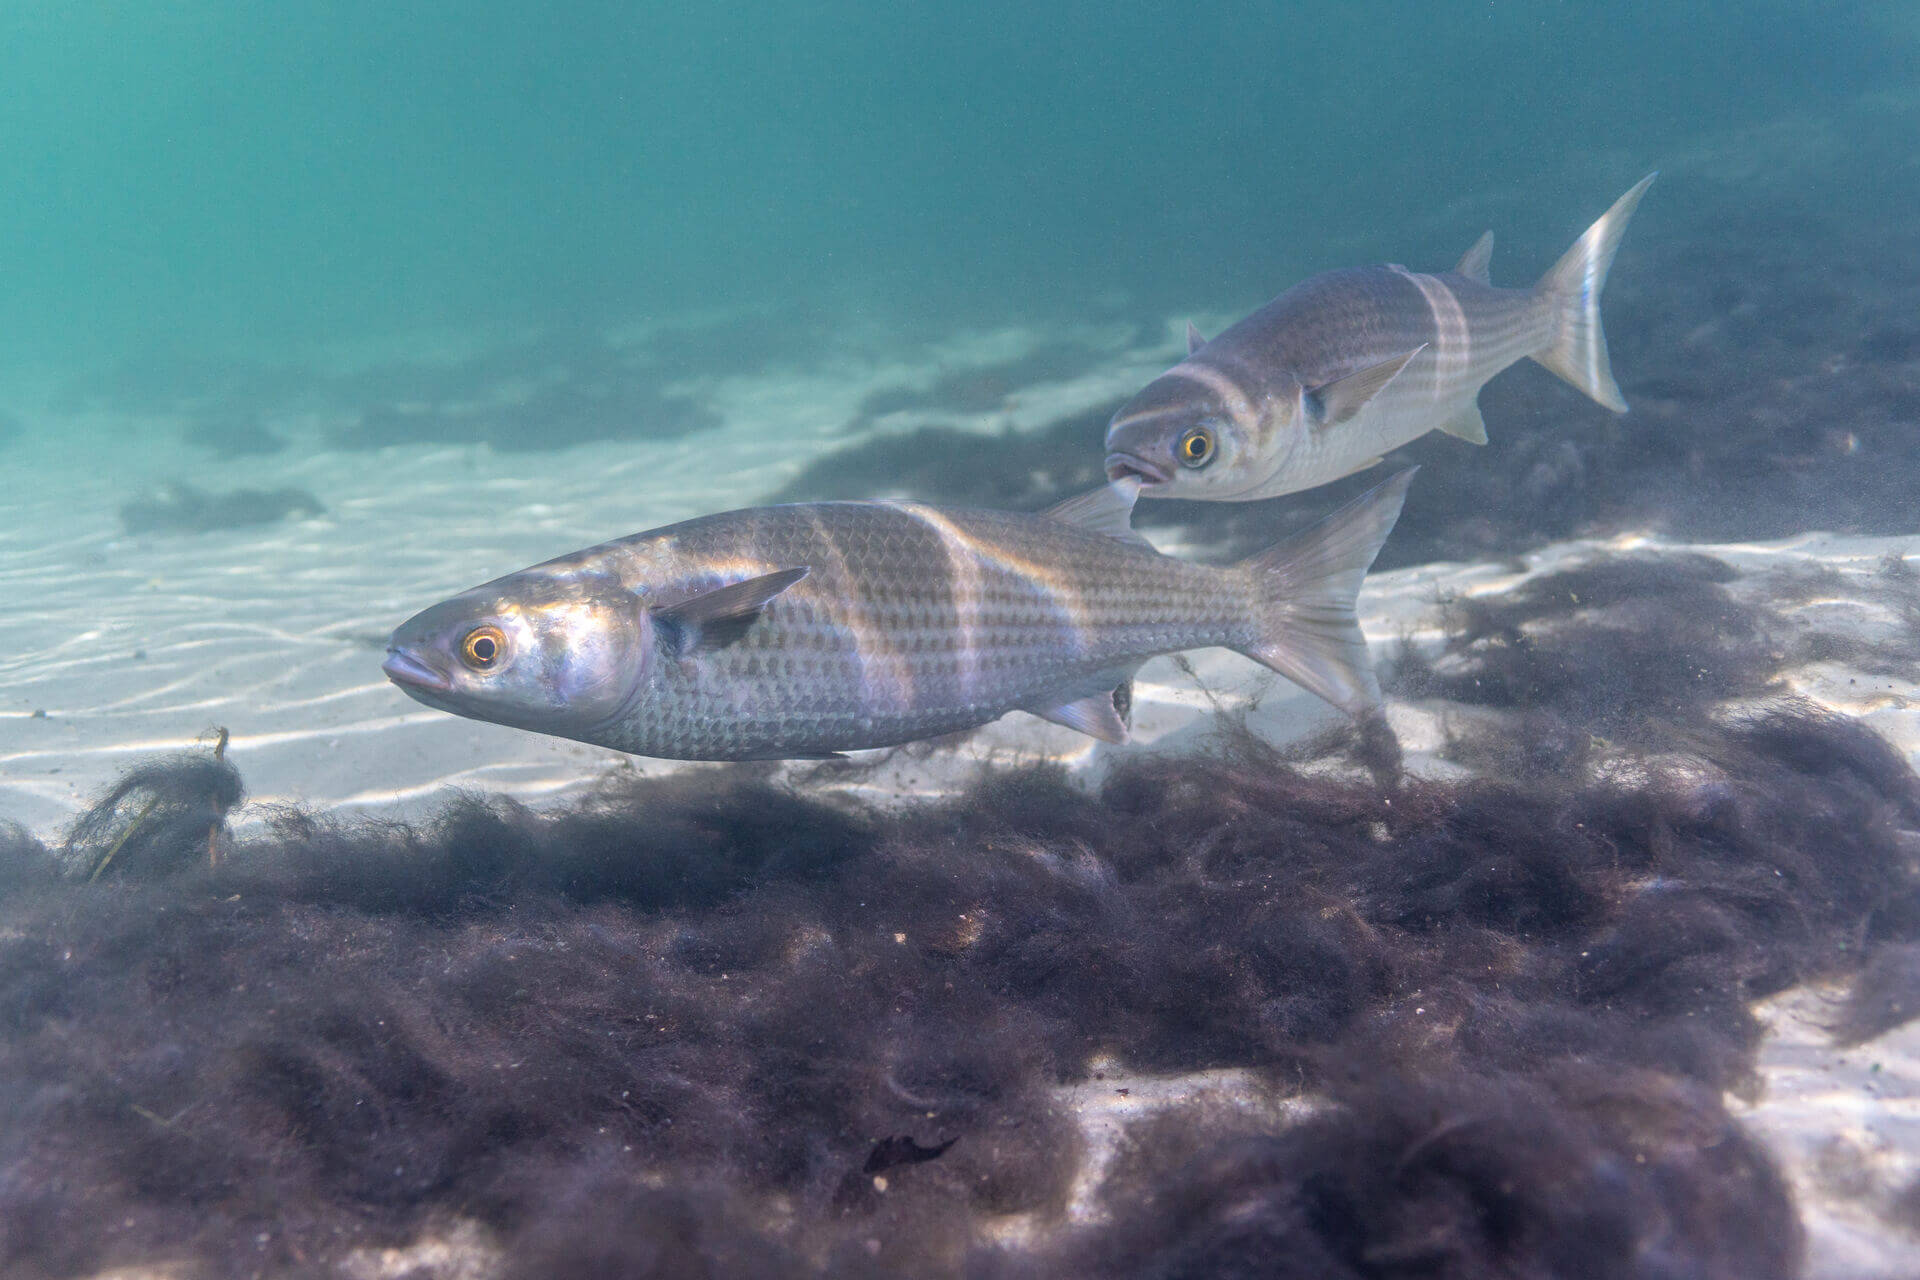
[
  {"x": 1108, "y": 510},
  {"x": 1334, "y": 402},
  {"x": 1194, "y": 340},
  {"x": 717, "y": 618},
  {"x": 1474, "y": 263}
]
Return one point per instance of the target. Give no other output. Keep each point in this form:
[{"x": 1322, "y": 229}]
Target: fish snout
[
  {"x": 1149, "y": 474},
  {"x": 410, "y": 672}
]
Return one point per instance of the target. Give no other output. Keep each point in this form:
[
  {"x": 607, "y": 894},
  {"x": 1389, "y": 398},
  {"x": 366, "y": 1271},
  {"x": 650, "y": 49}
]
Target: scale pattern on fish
[
  {"x": 810, "y": 629},
  {"x": 1333, "y": 373}
]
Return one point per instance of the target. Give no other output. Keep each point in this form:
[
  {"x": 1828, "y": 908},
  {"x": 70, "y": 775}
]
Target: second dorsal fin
[
  {"x": 1108, "y": 510},
  {"x": 1474, "y": 264}
]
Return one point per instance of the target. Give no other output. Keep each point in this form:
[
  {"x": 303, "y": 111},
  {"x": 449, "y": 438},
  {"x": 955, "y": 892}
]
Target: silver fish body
[
  {"x": 1342, "y": 368},
  {"x": 809, "y": 629}
]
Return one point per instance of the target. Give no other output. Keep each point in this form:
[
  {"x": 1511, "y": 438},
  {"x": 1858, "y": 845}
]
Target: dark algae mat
[{"x": 718, "y": 1025}]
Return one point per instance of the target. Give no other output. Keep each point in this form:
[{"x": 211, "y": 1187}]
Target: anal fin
[
  {"x": 1467, "y": 424},
  {"x": 1103, "y": 715}
]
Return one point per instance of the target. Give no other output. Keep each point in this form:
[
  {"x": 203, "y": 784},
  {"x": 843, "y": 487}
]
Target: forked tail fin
[
  {"x": 1306, "y": 588},
  {"x": 1578, "y": 348}
]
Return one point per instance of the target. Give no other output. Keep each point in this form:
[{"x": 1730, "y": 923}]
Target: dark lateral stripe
[{"x": 1238, "y": 404}]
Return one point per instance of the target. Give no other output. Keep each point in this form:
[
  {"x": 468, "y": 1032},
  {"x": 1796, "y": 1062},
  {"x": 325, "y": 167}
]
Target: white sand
[
  {"x": 116, "y": 647},
  {"x": 1845, "y": 1126},
  {"x": 131, "y": 645}
]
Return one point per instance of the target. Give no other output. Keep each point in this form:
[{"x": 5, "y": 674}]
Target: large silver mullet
[{"x": 805, "y": 630}]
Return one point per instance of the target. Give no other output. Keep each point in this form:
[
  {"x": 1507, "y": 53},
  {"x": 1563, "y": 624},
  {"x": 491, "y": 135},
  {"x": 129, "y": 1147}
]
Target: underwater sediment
[{"x": 709, "y": 1024}]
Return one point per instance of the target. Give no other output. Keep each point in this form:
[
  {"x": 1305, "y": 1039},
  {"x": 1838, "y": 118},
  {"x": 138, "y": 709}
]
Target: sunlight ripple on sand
[{"x": 119, "y": 647}]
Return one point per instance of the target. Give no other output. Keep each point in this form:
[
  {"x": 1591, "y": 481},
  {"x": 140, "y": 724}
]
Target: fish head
[
  {"x": 1182, "y": 436},
  {"x": 560, "y": 651}
]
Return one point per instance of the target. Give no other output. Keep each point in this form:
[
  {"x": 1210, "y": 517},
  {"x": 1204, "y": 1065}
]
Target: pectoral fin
[
  {"x": 1335, "y": 402},
  {"x": 1467, "y": 424},
  {"x": 1102, "y": 715},
  {"x": 717, "y": 618},
  {"x": 1194, "y": 340}
]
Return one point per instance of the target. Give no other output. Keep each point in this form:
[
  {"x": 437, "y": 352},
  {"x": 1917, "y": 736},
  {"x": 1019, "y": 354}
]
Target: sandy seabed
[{"x": 117, "y": 646}]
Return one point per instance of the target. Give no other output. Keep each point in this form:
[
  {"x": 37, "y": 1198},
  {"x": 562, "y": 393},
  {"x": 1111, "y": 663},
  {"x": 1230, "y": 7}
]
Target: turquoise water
[
  {"x": 185, "y": 178},
  {"x": 1595, "y": 954}
]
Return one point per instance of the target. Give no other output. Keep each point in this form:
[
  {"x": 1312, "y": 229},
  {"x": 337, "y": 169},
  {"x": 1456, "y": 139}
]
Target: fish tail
[
  {"x": 1306, "y": 588},
  {"x": 1577, "y": 351}
]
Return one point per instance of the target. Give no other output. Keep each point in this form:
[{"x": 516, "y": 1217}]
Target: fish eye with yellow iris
[
  {"x": 484, "y": 647},
  {"x": 1196, "y": 447}
]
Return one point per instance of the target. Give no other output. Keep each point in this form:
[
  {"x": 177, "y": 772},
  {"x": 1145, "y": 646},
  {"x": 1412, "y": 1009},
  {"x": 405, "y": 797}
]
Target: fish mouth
[
  {"x": 409, "y": 672},
  {"x": 1122, "y": 465}
]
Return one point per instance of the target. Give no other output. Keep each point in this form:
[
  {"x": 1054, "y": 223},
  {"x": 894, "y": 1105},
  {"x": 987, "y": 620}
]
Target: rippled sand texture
[
  {"x": 118, "y": 645},
  {"x": 115, "y": 645}
]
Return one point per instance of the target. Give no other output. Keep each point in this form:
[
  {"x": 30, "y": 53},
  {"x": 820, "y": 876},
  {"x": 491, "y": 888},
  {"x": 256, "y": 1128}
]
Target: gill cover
[
  {"x": 1146, "y": 436},
  {"x": 570, "y": 651}
]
